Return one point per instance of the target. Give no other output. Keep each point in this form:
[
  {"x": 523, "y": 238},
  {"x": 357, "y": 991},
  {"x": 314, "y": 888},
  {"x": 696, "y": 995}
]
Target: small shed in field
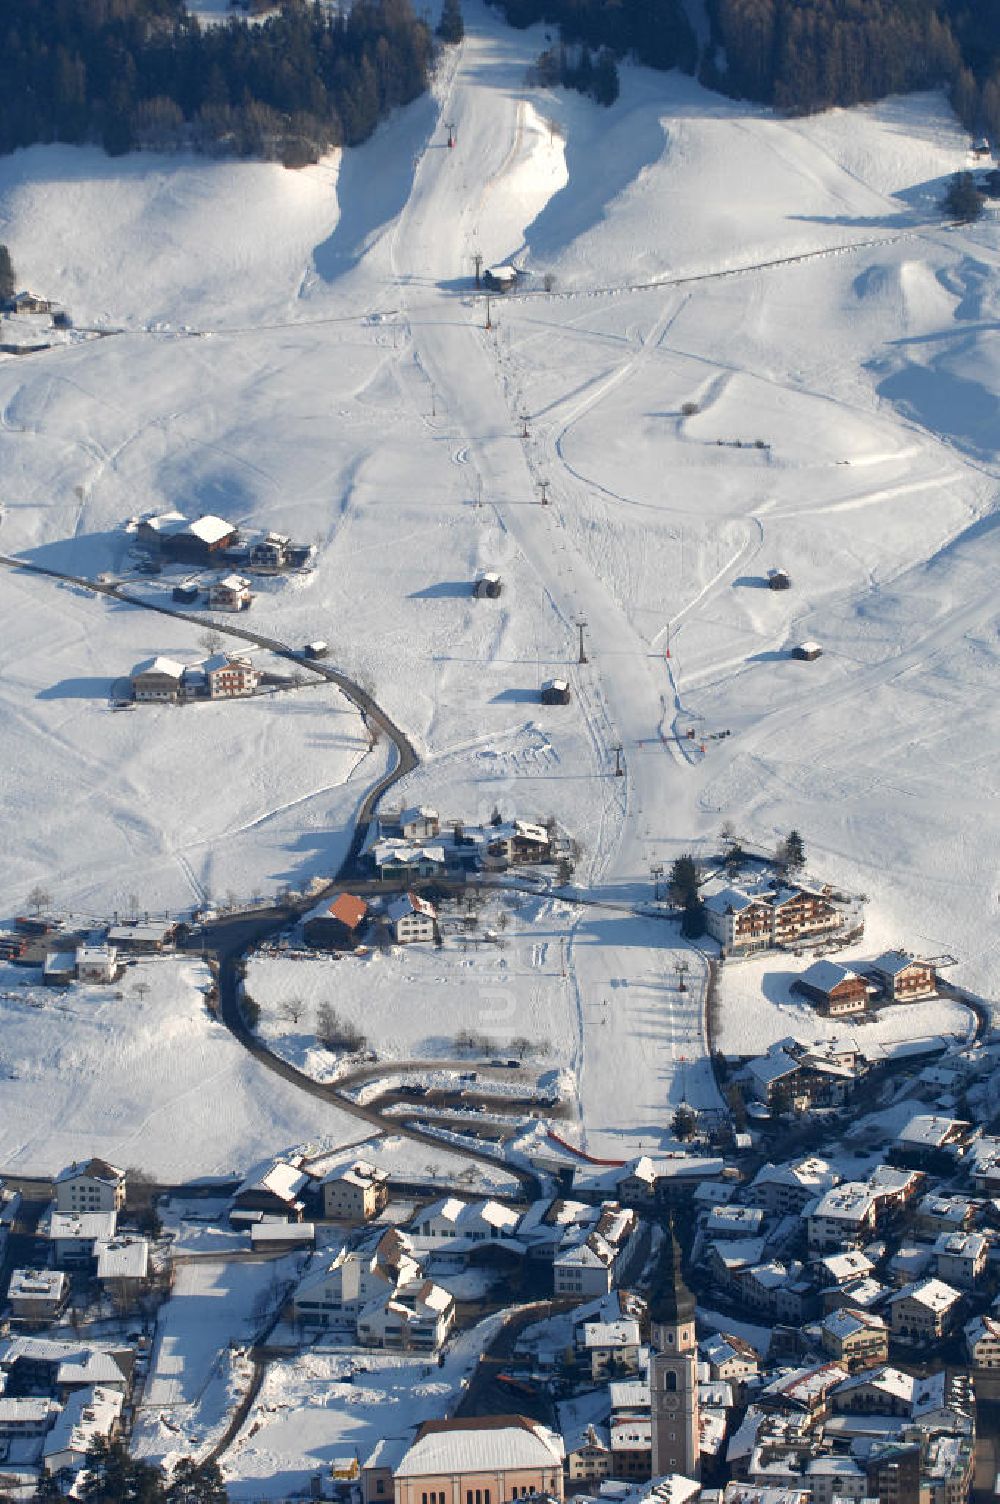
[
  {"x": 487, "y": 585},
  {"x": 555, "y": 692},
  {"x": 499, "y": 278},
  {"x": 807, "y": 651},
  {"x": 778, "y": 579}
]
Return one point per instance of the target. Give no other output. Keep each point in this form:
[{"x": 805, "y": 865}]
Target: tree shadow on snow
[{"x": 373, "y": 187}]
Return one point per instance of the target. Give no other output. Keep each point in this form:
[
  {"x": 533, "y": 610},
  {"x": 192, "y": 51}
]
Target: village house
[
  {"x": 143, "y": 939},
  {"x": 855, "y": 1339},
  {"x": 902, "y": 977},
  {"x": 734, "y": 1221},
  {"x": 411, "y": 918},
  {"x": 960, "y": 1258},
  {"x": 786, "y": 1189},
  {"x": 730, "y": 1359},
  {"x": 228, "y": 678},
  {"x": 452, "y": 1220},
  {"x": 842, "y": 1268},
  {"x": 73, "y": 1235},
  {"x": 519, "y": 842},
  {"x": 419, "y": 823},
  {"x": 611, "y": 1347},
  {"x": 836, "y": 990},
  {"x": 96, "y": 963},
  {"x": 336, "y": 1293},
  {"x": 94, "y": 1186},
  {"x": 88, "y": 1414},
  {"x": 985, "y": 1169},
  {"x": 269, "y": 555},
  {"x": 157, "y": 679},
  {"x": 194, "y": 542},
  {"x": 356, "y": 1194},
  {"x": 396, "y": 859},
  {"x": 833, "y": 1477},
  {"x": 927, "y": 1135},
  {"x": 481, "y": 1460},
  {"x": 746, "y": 919},
  {"x": 982, "y": 1341},
  {"x": 924, "y": 1311},
  {"x": 844, "y": 1217},
  {"x": 23, "y": 1416},
  {"x": 123, "y": 1264},
  {"x": 936, "y": 1213},
  {"x": 59, "y": 968},
  {"x": 276, "y": 1189},
  {"x": 416, "y": 1317},
  {"x": 37, "y": 1295},
  {"x": 336, "y": 923},
  {"x": 230, "y": 593}
]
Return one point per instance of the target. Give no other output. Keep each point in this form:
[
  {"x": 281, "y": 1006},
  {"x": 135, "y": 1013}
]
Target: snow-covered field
[
  {"x": 199, "y": 1367},
  {"x": 306, "y": 1414},
  {"x": 762, "y": 348},
  {"x": 148, "y": 1080}
]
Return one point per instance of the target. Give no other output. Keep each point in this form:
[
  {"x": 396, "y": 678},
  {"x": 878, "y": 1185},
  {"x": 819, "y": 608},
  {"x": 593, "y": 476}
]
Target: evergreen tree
[
  {"x": 683, "y": 881},
  {"x": 963, "y": 200},
  {"x": 8, "y": 282},
  {"x": 605, "y": 85},
  {"x": 451, "y": 27},
  {"x": 113, "y": 1477},
  {"x": 196, "y": 1483},
  {"x": 693, "y": 918},
  {"x": 684, "y": 1125},
  {"x": 792, "y": 852}
]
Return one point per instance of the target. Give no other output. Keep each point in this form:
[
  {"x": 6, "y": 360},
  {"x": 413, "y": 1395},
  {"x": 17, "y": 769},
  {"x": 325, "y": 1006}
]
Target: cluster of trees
[
  {"x": 575, "y": 68},
  {"x": 655, "y": 32},
  {"x": 128, "y": 73},
  {"x": 684, "y": 892},
  {"x": 113, "y": 1477},
  {"x": 806, "y": 55}
]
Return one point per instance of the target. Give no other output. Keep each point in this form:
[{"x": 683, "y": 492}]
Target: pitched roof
[
  {"x": 159, "y": 665},
  {"x": 96, "y": 1169},
  {"x": 485, "y": 1444},
  {"x": 825, "y": 975},
  {"x": 210, "y": 529}
]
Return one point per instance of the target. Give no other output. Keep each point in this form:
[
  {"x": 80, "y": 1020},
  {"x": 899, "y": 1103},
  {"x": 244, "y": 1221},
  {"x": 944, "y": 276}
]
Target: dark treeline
[
  {"x": 127, "y": 73},
  {"x": 806, "y": 55},
  {"x": 656, "y": 32},
  {"x": 575, "y": 68}
]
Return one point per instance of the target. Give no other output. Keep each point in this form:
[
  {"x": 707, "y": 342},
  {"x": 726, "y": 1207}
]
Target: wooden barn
[
  {"x": 835, "y": 989},
  {"x": 807, "y": 652},
  {"x": 555, "y": 692},
  {"x": 778, "y": 579},
  {"x": 487, "y": 585}
]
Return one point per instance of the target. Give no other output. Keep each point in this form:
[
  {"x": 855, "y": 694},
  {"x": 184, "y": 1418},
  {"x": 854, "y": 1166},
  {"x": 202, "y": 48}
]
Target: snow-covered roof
[
  {"x": 729, "y": 900},
  {"x": 846, "y": 1322},
  {"x": 90, "y": 1368},
  {"x": 892, "y": 962},
  {"x": 886, "y": 1380},
  {"x": 809, "y": 646},
  {"x": 93, "y": 1169},
  {"x": 961, "y": 1245},
  {"x": 408, "y": 904},
  {"x": 631, "y": 1394},
  {"x": 234, "y": 582},
  {"x": 928, "y": 1131},
  {"x": 812, "y": 1173},
  {"x": 623, "y": 1333},
  {"x": 36, "y": 1284},
  {"x": 279, "y": 1178},
  {"x": 932, "y": 1293},
  {"x": 210, "y": 529},
  {"x": 25, "y": 1410},
  {"x": 480, "y": 1446},
  {"x": 122, "y": 1258},
  {"x": 850, "y": 1201},
  {"x": 851, "y": 1264},
  {"x": 88, "y": 1413},
  {"x": 417, "y": 813},
  {"x": 96, "y": 955},
  {"x": 825, "y": 975},
  {"x": 82, "y": 1226},
  {"x": 772, "y": 1067},
  {"x": 168, "y": 667}
]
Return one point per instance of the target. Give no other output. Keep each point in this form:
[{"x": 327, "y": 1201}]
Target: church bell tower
[{"x": 673, "y": 1370}]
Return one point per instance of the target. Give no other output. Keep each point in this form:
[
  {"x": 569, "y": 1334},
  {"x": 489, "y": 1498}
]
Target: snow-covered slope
[{"x": 761, "y": 348}]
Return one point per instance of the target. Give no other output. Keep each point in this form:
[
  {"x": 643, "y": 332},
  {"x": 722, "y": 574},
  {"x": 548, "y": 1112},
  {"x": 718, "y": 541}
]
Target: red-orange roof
[{"x": 349, "y": 909}]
